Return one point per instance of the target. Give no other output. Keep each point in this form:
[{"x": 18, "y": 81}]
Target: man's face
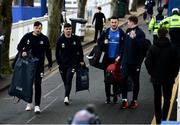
[
  {"x": 114, "y": 23},
  {"x": 130, "y": 24},
  {"x": 37, "y": 30},
  {"x": 68, "y": 31}
]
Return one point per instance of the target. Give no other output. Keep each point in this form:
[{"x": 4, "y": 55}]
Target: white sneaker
[
  {"x": 66, "y": 101},
  {"x": 37, "y": 109},
  {"x": 29, "y": 107}
]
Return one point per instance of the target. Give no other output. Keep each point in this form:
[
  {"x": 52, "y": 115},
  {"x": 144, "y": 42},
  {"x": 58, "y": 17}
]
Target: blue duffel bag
[
  {"x": 23, "y": 77},
  {"x": 82, "y": 78}
]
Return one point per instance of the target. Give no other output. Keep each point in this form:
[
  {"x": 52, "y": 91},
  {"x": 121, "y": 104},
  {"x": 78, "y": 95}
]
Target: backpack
[{"x": 113, "y": 73}]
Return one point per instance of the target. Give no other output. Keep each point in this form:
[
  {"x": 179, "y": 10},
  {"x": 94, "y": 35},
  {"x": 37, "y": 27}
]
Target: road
[{"x": 55, "y": 112}]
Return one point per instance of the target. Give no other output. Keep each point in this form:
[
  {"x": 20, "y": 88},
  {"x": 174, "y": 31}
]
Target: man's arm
[
  {"x": 22, "y": 44},
  {"x": 80, "y": 49},
  {"x": 104, "y": 18},
  {"x": 165, "y": 23},
  {"x": 57, "y": 52},
  {"x": 122, "y": 42},
  {"x": 151, "y": 24},
  {"x": 49, "y": 54},
  {"x": 101, "y": 39},
  {"x": 94, "y": 18}
]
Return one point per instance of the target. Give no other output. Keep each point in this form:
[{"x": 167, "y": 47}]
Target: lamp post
[{"x": 1, "y": 42}]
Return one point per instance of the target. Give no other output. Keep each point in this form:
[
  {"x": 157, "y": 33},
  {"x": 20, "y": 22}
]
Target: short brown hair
[
  {"x": 67, "y": 25},
  {"x": 133, "y": 19}
]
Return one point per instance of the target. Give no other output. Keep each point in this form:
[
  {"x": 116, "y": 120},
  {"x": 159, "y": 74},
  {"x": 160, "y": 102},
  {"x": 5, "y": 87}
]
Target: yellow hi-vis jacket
[
  {"x": 154, "y": 25},
  {"x": 171, "y": 22}
]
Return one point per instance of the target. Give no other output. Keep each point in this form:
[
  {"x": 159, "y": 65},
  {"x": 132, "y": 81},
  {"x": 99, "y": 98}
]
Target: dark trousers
[
  {"x": 115, "y": 86},
  {"x": 97, "y": 29},
  {"x": 37, "y": 83},
  {"x": 133, "y": 71},
  {"x": 159, "y": 3},
  {"x": 166, "y": 90},
  {"x": 67, "y": 76}
]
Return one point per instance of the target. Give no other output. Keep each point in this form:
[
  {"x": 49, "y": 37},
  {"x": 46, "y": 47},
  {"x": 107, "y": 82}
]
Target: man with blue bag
[{"x": 34, "y": 45}]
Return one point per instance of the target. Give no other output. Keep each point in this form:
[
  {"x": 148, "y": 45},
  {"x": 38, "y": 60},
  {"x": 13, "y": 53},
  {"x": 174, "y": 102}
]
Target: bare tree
[
  {"x": 134, "y": 5},
  {"x": 114, "y": 8},
  {"x": 54, "y": 20},
  {"x": 6, "y": 24},
  {"x": 81, "y": 8}
]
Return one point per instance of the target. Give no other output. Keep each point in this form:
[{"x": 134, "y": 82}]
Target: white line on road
[
  {"x": 42, "y": 110},
  {"x": 53, "y": 90}
]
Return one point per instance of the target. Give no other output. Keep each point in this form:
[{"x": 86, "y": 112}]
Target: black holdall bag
[
  {"x": 97, "y": 58},
  {"x": 23, "y": 77},
  {"x": 82, "y": 78}
]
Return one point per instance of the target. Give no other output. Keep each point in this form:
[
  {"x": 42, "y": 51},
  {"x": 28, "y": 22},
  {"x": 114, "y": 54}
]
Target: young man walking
[
  {"x": 39, "y": 45},
  {"x": 69, "y": 56}
]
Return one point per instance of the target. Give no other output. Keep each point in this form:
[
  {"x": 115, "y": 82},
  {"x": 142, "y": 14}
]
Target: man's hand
[
  {"x": 117, "y": 59},
  {"x": 82, "y": 63},
  {"x": 106, "y": 41}
]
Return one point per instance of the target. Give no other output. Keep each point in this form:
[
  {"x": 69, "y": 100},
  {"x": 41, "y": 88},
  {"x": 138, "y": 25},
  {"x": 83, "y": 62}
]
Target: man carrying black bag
[
  {"x": 39, "y": 45},
  {"x": 112, "y": 42},
  {"x": 69, "y": 56}
]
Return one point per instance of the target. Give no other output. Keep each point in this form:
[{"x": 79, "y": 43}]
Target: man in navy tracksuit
[
  {"x": 39, "y": 45},
  {"x": 69, "y": 56},
  {"x": 132, "y": 60},
  {"x": 112, "y": 42}
]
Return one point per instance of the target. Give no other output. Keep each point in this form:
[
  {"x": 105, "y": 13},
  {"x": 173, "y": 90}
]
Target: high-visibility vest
[
  {"x": 154, "y": 23},
  {"x": 171, "y": 22}
]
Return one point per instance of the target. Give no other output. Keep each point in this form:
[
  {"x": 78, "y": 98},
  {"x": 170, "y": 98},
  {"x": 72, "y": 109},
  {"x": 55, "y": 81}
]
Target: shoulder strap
[{"x": 107, "y": 32}]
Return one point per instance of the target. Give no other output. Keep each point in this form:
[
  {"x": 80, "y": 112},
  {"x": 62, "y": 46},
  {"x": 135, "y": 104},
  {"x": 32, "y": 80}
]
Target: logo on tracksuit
[{"x": 41, "y": 42}]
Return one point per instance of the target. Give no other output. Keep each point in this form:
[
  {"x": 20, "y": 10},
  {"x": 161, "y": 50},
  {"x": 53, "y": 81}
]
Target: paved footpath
[{"x": 89, "y": 35}]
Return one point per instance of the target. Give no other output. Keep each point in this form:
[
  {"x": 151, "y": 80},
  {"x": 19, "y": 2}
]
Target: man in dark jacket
[
  {"x": 162, "y": 65},
  {"x": 69, "y": 56},
  {"x": 99, "y": 19},
  {"x": 112, "y": 42},
  {"x": 39, "y": 45},
  {"x": 132, "y": 60}
]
